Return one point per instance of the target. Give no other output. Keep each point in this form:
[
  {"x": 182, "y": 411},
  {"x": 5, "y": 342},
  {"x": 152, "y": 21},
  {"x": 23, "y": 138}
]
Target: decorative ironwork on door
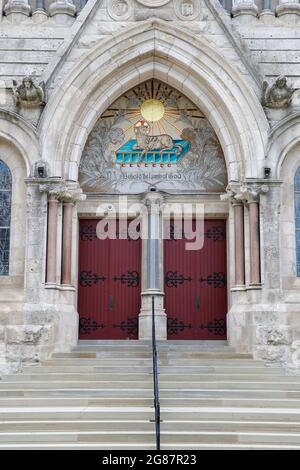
[
  {"x": 195, "y": 285},
  {"x": 109, "y": 285}
]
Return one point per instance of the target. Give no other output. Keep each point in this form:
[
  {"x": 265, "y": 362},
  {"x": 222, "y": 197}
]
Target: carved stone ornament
[
  {"x": 41, "y": 169},
  {"x": 28, "y": 95},
  {"x": 63, "y": 192},
  {"x": 244, "y": 193},
  {"x": 277, "y": 95},
  {"x": 120, "y": 10},
  {"x": 186, "y": 9},
  {"x": 251, "y": 193},
  {"x": 153, "y": 3}
]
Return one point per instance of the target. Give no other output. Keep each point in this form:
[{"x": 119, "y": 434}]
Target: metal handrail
[{"x": 155, "y": 381}]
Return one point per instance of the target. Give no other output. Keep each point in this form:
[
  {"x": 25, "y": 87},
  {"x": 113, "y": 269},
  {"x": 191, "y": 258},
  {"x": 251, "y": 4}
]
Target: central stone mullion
[
  {"x": 153, "y": 258},
  {"x": 153, "y": 285}
]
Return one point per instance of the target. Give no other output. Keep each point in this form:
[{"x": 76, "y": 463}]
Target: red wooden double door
[{"x": 110, "y": 285}]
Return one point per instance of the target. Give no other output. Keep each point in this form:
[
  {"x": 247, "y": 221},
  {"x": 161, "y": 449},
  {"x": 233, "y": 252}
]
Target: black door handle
[
  {"x": 110, "y": 302},
  {"x": 197, "y": 303}
]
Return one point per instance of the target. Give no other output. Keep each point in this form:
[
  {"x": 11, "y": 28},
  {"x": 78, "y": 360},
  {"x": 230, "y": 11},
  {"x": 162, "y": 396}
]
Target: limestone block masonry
[{"x": 240, "y": 69}]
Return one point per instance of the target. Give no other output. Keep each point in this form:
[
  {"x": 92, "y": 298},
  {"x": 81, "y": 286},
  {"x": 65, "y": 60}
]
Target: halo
[{"x": 152, "y": 110}]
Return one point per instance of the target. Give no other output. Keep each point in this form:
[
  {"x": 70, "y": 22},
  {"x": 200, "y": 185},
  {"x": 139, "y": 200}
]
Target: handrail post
[{"x": 155, "y": 380}]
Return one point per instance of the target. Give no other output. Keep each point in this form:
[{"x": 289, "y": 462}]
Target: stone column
[
  {"x": 63, "y": 11},
  {"x": 288, "y": 10},
  {"x": 68, "y": 193},
  {"x": 153, "y": 271},
  {"x": 250, "y": 192},
  {"x": 244, "y": 10},
  {"x": 52, "y": 241},
  {"x": 66, "y": 274},
  {"x": 254, "y": 242},
  {"x": 17, "y": 11},
  {"x": 239, "y": 244}
]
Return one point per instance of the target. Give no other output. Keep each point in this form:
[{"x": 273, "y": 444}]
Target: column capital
[
  {"x": 244, "y": 193},
  {"x": 63, "y": 191},
  {"x": 231, "y": 191},
  {"x": 251, "y": 192},
  {"x": 153, "y": 199}
]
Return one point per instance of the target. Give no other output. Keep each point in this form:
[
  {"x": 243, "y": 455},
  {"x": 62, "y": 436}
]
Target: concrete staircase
[{"x": 100, "y": 396}]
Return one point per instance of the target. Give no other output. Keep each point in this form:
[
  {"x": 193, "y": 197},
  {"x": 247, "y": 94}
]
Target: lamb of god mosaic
[{"x": 152, "y": 136}]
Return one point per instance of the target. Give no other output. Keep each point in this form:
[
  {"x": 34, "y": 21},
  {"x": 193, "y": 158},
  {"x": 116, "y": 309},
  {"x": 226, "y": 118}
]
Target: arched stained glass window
[{"x": 5, "y": 217}]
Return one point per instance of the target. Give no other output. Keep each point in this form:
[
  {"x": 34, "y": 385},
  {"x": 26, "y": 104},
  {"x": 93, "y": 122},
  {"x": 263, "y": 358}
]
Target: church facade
[{"x": 149, "y": 151}]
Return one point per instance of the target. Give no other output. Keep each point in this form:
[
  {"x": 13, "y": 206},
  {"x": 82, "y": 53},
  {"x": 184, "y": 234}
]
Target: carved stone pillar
[
  {"x": 288, "y": 10},
  {"x": 244, "y": 9},
  {"x": 239, "y": 243},
  {"x": 237, "y": 200},
  {"x": 68, "y": 193},
  {"x": 254, "y": 240},
  {"x": 17, "y": 10},
  {"x": 251, "y": 192},
  {"x": 63, "y": 11},
  {"x": 152, "y": 270},
  {"x": 52, "y": 241},
  {"x": 66, "y": 265}
]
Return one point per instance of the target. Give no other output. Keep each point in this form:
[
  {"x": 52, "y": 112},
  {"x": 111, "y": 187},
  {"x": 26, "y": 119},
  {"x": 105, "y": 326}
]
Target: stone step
[
  {"x": 82, "y": 369},
  {"x": 163, "y": 385},
  {"x": 142, "y": 437},
  {"x": 141, "y": 426},
  {"x": 53, "y": 397},
  {"x": 149, "y": 436},
  {"x": 79, "y": 425},
  {"x": 103, "y": 355},
  {"x": 146, "y": 413},
  {"x": 132, "y": 362},
  {"x": 53, "y": 401},
  {"x": 137, "y": 376},
  {"x": 76, "y": 412},
  {"x": 148, "y": 348},
  {"x": 225, "y": 413},
  {"x": 146, "y": 399},
  {"x": 122, "y": 342},
  {"x": 191, "y": 437},
  {"x": 140, "y": 354},
  {"x": 144, "y": 446},
  {"x": 230, "y": 426}
]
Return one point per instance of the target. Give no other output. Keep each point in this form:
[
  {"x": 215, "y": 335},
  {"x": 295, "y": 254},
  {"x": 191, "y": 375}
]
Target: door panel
[
  {"x": 195, "y": 285},
  {"x": 109, "y": 285}
]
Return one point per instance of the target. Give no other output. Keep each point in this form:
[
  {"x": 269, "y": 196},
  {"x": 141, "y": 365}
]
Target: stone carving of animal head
[{"x": 142, "y": 129}]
